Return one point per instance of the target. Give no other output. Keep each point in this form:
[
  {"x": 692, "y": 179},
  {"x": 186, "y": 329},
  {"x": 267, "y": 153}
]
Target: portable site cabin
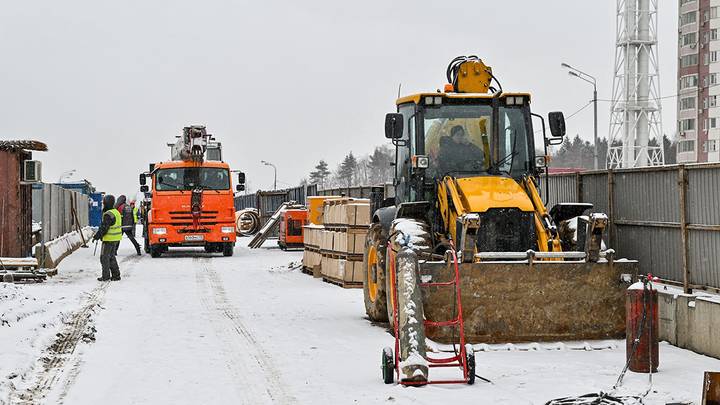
[{"x": 17, "y": 173}]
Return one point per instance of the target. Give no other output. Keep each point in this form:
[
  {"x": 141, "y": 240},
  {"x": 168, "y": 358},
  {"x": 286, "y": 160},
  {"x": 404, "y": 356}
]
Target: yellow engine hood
[{"x": 479, "y": 194}]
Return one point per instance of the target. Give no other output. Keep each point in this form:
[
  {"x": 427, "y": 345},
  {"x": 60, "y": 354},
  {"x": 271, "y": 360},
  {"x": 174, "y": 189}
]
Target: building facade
[{"x": 698, "y": 122}]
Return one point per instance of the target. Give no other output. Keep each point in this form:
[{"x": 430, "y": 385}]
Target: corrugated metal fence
[
  {"x": 52, "y": 206},
  {"x": 668, "y": 218}
]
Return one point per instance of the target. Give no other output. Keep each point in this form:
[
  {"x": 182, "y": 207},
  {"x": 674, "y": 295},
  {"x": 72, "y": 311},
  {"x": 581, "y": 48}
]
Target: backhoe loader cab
[{"x": 467, "y": 181}]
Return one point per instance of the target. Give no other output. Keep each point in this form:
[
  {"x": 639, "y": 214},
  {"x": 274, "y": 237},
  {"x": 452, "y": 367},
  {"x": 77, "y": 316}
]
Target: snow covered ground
[{"x": 191, "y": 328}]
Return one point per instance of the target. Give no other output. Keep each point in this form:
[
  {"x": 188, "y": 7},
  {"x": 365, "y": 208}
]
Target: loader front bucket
[{"x": 526, "y": 301}]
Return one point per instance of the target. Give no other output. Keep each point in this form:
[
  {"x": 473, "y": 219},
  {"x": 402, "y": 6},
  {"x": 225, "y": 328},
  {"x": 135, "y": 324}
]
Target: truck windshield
[
  {"x": 458, "y": 139},
  {"x": 188, "y": 178}
]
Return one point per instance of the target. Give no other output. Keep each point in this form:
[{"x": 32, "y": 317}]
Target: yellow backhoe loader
[{"x": 467, "y": 180}]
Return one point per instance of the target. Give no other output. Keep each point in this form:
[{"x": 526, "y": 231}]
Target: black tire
[
  {"x": 155, "y": 251},
  {"x": 388, "y": 366},
  {"x": 421, "y": 247},
  {"x": 228, "y": 249},
  {"x": 470, "y": 359},
  {"x": 375, "y": 304}
]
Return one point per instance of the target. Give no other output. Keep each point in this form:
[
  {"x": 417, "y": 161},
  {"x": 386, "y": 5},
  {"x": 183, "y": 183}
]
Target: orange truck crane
[{"x": 191, "y": 197}]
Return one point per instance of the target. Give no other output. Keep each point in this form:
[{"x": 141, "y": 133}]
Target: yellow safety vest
[
  {"x": 135, "y": 211},
  {"x": 114, "y": 233}
]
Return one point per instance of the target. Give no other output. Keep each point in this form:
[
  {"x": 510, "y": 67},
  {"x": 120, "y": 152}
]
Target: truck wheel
[
  {"x": 419, "y": 241},
  {"x": 470, "y": 361},
  {"x": 374, "y": 274},
  {"x": 228, "y": 249},
  {"x": 155, "y": 251}
]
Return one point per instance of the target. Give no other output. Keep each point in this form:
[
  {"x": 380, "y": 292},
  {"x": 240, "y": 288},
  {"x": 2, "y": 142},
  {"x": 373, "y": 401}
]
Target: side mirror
[
  {"x": 144, "y": 189},
  {"x": 240, "y": 187},
  {"x": 152, "y": 167},
  {"x": 143, "y": 180},
  {"x": 241, "y": 178},
  {"x": 393, "y": 126},
  {"x": 557, "y": 124}
]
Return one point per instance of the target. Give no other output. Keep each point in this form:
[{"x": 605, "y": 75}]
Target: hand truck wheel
[
  {"x": 470, "y": 359},
  {"x": 388, "y": 366}
]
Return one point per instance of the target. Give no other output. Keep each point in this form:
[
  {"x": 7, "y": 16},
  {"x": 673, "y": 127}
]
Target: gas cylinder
[{"x": 642, "y": 299}]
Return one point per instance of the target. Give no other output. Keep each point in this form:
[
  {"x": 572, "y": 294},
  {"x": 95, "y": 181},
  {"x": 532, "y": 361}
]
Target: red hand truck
[{"x": 464, "y": 359}]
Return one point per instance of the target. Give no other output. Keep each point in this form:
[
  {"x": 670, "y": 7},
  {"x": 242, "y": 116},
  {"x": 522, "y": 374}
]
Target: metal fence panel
[
  {"x": 703, "y": 258},
  {"x": 647, "y": 196},
  {"x": 657, "y": 249},
  {"x": 595, "y": 191},
  {"x": 52, "y": 206},
  {"x": 562, "y": 189},
  {"x": 703, "y": 195}
]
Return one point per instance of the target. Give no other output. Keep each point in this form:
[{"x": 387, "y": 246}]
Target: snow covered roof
[{"x": 14, "y": 145}]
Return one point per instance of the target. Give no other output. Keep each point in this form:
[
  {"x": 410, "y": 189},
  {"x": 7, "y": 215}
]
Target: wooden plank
[{"x": 711, "y": 388}]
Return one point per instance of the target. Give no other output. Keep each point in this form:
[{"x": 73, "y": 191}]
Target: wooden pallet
[
  {"x": 23, "y": 275},
  {"x": 342, "y": 283},
  {"x": 20, "y": 263}
]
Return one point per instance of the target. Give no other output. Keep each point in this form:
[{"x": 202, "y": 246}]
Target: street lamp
[
  {"x": 275, "y": 170},
  {"x": 66, "y": 174},
  {"x": 590, "y": 79}
]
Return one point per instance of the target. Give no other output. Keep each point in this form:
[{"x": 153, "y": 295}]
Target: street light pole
[
  {"x": 590, "y": 79},
  {"x": 65, "y": 174},
  {"x": 274, "y": 170}
]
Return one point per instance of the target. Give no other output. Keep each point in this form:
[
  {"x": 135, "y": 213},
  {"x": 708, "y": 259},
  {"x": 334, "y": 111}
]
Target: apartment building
[{"x": 698, "y": 115}]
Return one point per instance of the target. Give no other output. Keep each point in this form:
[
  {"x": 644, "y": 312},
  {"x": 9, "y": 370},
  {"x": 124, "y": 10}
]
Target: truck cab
[{"x": 191, "y": 204}]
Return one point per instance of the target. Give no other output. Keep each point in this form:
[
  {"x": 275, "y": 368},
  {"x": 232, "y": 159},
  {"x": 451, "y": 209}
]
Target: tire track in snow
[
  {"x": 62, "y": 350},
  {"x": 244, "y": 351}
]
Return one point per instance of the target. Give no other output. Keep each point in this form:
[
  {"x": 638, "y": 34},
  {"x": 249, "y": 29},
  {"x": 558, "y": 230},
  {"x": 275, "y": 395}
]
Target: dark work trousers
[
  {"x": 108, "y": 261},
  {"x": 131, "y": 235}
]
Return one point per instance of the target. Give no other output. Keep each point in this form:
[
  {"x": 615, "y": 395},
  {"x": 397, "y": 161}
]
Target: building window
[
  {"x": 714, "y": 34},
  {"x": 689, "y": 39},
  {"x": 687, "y": 103},
  {"x": 712, "y": 78},
  {"x": 713, "y": 12},
  {"x": 686, "y": 146},
  {"x": 684, "y": 2},
  {"x": 713, "y": 56},
  {"x": 688, "y": 18},
  {"x": 712, "y": 145},
  {"x": 687, "y": 125},
  {"x": 713, "y": 122},
  {"x": 689, "y": 60},
  {"x": 712, "y": 101},
  {"x": 688, "y": 81}
]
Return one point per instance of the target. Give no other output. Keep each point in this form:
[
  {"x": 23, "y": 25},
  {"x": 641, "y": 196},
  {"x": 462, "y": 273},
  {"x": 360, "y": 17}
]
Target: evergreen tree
[
  {"x": 320, "y": 174},
  {"x": 347, "y": 169},
  {"x": 379, "y": 167}
]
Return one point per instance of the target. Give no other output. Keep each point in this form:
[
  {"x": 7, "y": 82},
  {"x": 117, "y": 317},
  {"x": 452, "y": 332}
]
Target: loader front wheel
[
  {"x": 374, "y": 292},
  {"x": 420, "y": 242}
]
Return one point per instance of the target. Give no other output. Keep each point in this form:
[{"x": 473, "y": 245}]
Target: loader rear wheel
[
  {"x": 420, "y": 243},
  {"x": 374, "y": 292}
]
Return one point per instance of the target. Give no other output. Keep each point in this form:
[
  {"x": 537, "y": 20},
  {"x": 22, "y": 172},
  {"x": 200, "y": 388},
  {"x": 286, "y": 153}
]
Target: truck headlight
[
  {"x": 228, "y": 229},
  {"x": 159, "y": 231}
]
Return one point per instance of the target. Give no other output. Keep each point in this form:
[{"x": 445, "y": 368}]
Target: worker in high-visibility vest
[
  {"x": 128, "y": 221},
  {"x": 110, "y": 232}
]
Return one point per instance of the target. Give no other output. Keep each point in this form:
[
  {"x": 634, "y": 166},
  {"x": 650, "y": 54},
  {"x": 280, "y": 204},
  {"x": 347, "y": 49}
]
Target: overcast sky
[{"x": 107, "y": 84}]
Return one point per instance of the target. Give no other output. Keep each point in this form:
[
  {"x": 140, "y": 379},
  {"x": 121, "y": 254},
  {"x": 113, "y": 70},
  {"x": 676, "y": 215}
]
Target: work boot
[
  {"x": 115, "y": 278},
  {"x": 103, "y": 279}
]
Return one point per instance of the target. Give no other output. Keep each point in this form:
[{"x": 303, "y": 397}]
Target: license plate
[{"x": 194, "y": 238}]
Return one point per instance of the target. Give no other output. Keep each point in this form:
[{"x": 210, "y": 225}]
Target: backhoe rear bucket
[{"x": 529, "y": 301}]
